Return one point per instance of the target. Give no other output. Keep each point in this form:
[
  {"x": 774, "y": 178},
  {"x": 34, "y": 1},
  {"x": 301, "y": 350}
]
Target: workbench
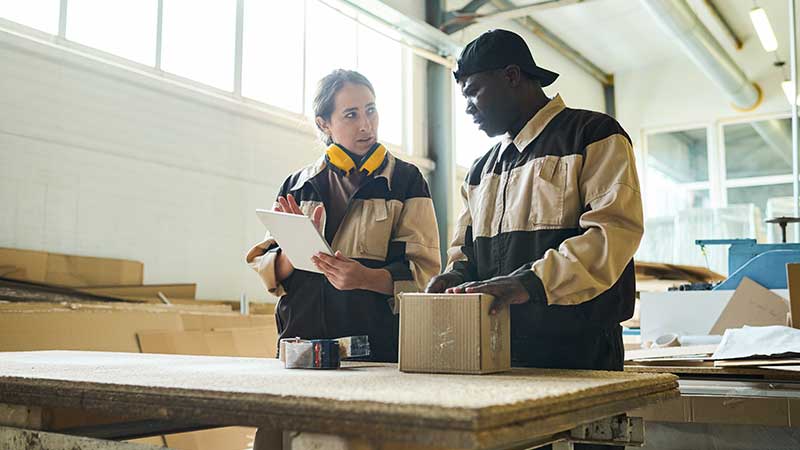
[
  {"x": 365, "y": 405},
  {"x": 725, "y": 407}
]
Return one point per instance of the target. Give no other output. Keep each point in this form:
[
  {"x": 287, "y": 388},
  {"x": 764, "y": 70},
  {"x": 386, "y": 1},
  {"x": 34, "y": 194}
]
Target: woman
[{"x": 376, "y": 213}]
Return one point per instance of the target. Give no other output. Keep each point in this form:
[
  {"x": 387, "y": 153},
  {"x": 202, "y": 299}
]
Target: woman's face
[{"x": 354, "y": 121}]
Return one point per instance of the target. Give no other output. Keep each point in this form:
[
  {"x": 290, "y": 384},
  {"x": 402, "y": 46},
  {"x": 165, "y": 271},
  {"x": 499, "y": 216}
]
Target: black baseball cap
[{"x": 496, "y": 49}]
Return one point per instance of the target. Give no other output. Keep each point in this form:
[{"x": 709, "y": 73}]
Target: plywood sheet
[{"x": 372, "y": 389}]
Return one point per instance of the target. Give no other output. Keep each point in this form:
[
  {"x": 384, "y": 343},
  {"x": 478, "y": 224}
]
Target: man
[{"x": 553, "y": 213}]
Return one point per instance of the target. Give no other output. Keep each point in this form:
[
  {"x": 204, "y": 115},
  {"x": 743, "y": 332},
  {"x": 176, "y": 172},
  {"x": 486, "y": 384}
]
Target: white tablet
[{"x": 297, "y": 236}]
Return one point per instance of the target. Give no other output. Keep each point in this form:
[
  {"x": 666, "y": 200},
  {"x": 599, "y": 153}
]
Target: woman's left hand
[{"x": 343, "y": 273}]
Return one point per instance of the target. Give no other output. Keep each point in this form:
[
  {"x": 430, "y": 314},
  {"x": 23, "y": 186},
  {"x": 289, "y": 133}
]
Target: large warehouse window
[
  {"x": 381, "y": 60},
  {"x": 40, "y": 14},
  {"x": 124, "y": 27},
  {"x": 331, "y": 43},
  {"x": 355, "y": 46},
  {"x": 677, "y": 171},
  {"x": 199, "y": 39},
  {"x": 696, "y": 190},
  {"x": 470, "y": 142},
  {"x": 272, "y": 63},
  {"x": 282, "y": 60}
]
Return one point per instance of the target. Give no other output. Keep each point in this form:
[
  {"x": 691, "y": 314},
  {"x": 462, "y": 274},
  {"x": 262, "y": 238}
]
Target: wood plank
[
  {"x": 361, "y": 398},
  {"x": 183, "y": 290},
  {"x": 28, "y": 291},
  {"x": 711, "y": 371}
]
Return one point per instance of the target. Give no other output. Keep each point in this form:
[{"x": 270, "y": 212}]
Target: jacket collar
[
  {"x": 535, "y": 126},
  {"x": 384, "y": 170}
]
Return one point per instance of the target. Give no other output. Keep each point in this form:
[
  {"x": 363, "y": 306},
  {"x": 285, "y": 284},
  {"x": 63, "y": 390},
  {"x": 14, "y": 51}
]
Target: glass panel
[
  {"x": 39, "y": 14},
  {"x": 272, "y": 53},
  {"x": 676, "y": 160},
  {"x": 124, "y": 27},
  {"x": 760, "y": 196},
  {"x": 331, "y": 43},
  {"x": 671, "y": 239},
  {"x": 198, "y": 40},
  {"x": 470, "y": 142},
  {"x": 758, "y": 149},
  {"x": 380, "y": 59},
  {"x": 779, "y": 207},
  {"x": 678, "y": 156},
  {"x": 664, "y": 197}
]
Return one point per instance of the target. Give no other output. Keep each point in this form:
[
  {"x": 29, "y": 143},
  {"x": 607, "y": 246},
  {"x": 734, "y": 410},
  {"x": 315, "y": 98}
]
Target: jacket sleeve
[
  {"x": 413, "y": 257},
  {"x": 461, "y": 252},
  {"x": 263, "y": 255},
  {"x": 587, "y": 265}
]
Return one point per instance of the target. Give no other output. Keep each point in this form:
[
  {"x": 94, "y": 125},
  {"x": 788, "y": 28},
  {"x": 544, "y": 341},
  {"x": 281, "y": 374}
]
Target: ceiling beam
[
  {"x": 522, "y": 11},
  {"x": 466, "y": 16},
  {"x": 559, "y": 45},
  {"x": 459, "y": 19}
]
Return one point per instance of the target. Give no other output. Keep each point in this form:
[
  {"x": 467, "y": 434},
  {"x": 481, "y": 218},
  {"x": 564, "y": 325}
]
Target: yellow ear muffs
[
  {"x": 375, "y": 160},
  {"x": 341, "y": 160}
]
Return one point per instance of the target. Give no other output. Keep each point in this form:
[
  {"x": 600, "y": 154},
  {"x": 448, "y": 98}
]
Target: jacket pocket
[
  {"x": 375, "y": 229},
  {"x": 549, "y": 184}
]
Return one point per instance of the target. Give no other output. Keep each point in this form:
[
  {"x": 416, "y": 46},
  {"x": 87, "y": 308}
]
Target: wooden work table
[{"x": 366, "y": 401}]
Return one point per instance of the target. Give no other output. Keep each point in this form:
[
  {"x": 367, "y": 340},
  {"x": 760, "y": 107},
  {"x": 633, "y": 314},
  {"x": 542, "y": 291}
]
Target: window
[
  {"x": 380, "y": 59},
  {"x": 758, "y": 167},
  {"x": 124, "y": 27},
  {"x": 198, "y": 40},
  {"x": 287, "y": 47},
  {"x": 272, "y": 53},
  {"x": 331, "y": 43},
  {"x": 757, "y": 149},
  {"x": 676, "y": 165},
  {"x": 760, "y": 196},
  {"x": 40, "y": 14},
  {"x": 470, "y": 142}
]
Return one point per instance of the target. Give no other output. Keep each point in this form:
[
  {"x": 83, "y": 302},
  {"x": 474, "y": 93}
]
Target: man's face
[{"x": 489, "y": 101}]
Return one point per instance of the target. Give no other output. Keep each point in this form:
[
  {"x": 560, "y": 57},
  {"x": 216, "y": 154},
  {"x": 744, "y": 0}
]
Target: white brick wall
[{"x": 95, "y": 160}]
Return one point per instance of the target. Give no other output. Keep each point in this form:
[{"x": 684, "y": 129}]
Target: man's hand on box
[
  {"x": 443, "y": 281},
  {"x": 506, "y": 291}
]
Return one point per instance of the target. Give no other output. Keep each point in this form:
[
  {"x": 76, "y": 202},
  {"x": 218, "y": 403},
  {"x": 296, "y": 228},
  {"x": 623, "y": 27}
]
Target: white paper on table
[{"x": 758, "y": 341}]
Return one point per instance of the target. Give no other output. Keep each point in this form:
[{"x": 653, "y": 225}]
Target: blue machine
[{"x": 763, "y": 263}]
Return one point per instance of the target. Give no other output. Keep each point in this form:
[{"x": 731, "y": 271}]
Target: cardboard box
[
  {"x": 453, "y": 333},
  {"x": 208, "y": 322},
  {"x": 793, "y": 282},
  {"x": 23, "y": 264},
  {"x": 86, "y": 329},
  {"x": 245, "y": 342},
  {"x": 69, "y": 270}
]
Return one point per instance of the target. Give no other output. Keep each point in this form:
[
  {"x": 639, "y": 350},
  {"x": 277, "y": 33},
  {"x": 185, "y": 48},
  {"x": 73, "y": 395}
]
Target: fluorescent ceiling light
[
  {"x": 788, "y": 90},
  {"x": 764, "y": 29}
]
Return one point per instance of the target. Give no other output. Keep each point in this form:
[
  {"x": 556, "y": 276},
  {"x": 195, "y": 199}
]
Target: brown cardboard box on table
[{"x": 453, "y": 333}]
